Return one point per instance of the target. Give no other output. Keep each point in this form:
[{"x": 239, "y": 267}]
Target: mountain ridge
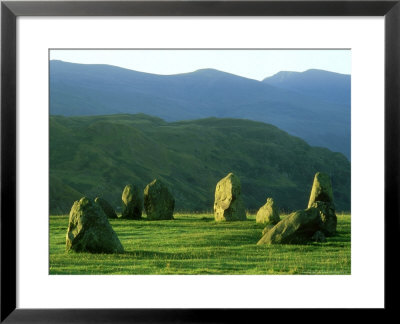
[
  {"x": 85, "y": 89},
  {"x": 335, "y": 88}
]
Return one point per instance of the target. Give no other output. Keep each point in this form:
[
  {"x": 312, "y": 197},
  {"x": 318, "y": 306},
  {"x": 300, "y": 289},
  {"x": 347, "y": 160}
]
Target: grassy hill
[{"x": 99, "y": 155}]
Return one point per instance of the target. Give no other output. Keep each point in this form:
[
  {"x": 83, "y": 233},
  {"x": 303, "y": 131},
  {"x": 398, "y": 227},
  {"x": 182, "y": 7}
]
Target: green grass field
[{"x": 196, "y": 244}]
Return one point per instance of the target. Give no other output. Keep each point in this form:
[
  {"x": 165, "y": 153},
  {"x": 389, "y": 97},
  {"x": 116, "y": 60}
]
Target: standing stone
[
  {"x": 106, "y": 207},
  {"x": 321, "y": 197},
  {"x": 321, "y": 189},
  {"x": 297, "y": 228},
  {"x": 328, "y": 217},
  {"x": 132, "y": 202},
  {"x": 158, "y": 201},
  {"x": 89, "y": 230},
  {"x": 268, "y": 214},
  {"x": 228, "y": 204}
]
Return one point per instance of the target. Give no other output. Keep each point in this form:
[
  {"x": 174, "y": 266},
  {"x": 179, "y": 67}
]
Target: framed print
[{"x": 168, "y": 158}]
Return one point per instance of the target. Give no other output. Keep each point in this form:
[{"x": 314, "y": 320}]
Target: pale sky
[{"x": 254, "y": 64}]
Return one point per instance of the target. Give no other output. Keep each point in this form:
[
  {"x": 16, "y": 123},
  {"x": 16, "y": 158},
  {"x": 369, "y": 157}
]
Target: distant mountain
[
  {"x": 99, "y": 155},
  {"x": 85, "y": 89},
  {"x": 324, "y": 85}
]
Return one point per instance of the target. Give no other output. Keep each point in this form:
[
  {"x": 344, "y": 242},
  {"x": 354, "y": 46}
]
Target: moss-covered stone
[
  {"x": 328, "y": 217},
  {"x": 268, "y": 214},
  {"x": 158, "y": 201},
  {"x": 89, "y": 230},
  {"x": 296, "y": 228},
  {"x": 106, "y": 207},
  {"x": 132, "y": 202},
  {"x": 228, "y": 203},
  {"x": 321, "y": 189}
]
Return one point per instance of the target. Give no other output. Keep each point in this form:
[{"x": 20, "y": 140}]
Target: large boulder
[
  {"x": 89, "y": 230},
  {"x": 297, "y": 228},
  {"x": 328, "y": 217},
  {"x": 228, "y": 204},
  {"x": 158, "y": 201},
  {"x": 106, "y": 207},
  {"x": 321, "y": 189},
  {"x": 269, "y": 213},
  {"x": 132, "y": 202}
]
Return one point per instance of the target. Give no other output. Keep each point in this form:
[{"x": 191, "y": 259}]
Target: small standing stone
[{"x": 268, "y": 214}]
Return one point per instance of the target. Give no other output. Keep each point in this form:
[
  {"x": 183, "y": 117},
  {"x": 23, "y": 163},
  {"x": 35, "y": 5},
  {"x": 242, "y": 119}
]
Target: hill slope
[
  {"x": 99, "y": 155},
  {"x": 85, "y": 89}
]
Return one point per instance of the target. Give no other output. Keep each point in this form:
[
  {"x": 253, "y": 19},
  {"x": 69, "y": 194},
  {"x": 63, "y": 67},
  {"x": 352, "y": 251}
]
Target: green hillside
[{"x": 99, "y": 155}]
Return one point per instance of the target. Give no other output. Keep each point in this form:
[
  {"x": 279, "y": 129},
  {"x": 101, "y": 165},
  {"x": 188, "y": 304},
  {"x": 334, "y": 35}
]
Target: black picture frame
[{"x": 10, "y": 10}]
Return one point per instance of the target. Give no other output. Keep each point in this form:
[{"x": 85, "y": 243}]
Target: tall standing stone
[
  {"x": 321, "y": 189},
  {"x": 321, "y": 198},
  {"x": 158, "y": 201},
  {"x": 228, "y": 203},
  {"x": 132, "y": 202},
  {"x": 106, "y": 207},
  {"x": 268, "y": 214},
  {"x": 89, "y": 230}
]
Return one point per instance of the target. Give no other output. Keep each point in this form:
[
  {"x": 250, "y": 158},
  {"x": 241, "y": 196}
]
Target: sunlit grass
[{"x": 196, "y": 244}]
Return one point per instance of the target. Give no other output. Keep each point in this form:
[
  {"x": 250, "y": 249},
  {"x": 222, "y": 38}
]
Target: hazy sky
[{"x": 255, "y": 64}]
